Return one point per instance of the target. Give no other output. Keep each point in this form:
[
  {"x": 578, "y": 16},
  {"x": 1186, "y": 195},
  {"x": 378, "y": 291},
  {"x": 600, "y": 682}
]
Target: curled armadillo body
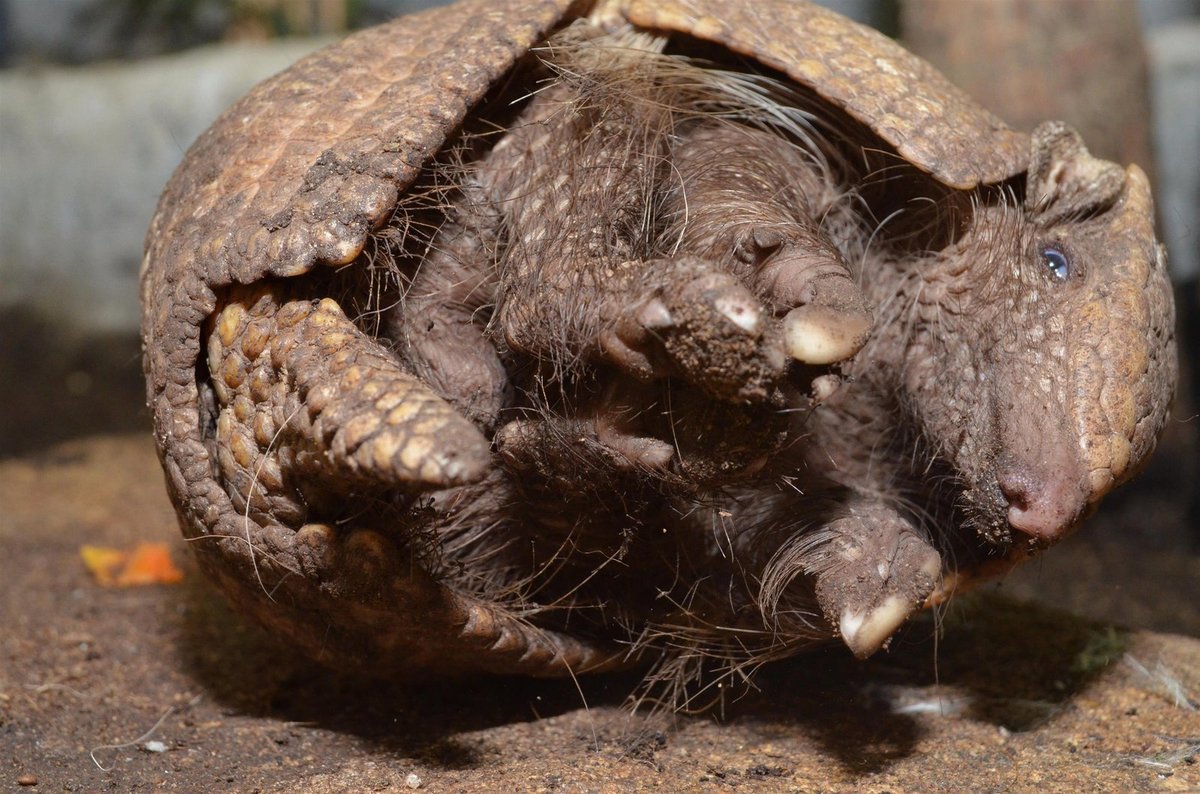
[{"x": 530, "y": 337}]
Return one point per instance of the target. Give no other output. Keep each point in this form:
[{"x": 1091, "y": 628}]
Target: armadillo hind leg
[
  {"x": 871, "y": 568},
  {"x": 307, "y": 403},
  {"x": 440, "y": 325},
  {"x": 757, "y": 201},
  {"x": 309, "y": 410}
]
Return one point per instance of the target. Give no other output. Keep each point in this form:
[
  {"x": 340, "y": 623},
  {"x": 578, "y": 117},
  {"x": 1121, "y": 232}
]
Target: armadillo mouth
[
  {"x": 1004, "y": 522},
  {"x": 1017, "y": 508},
  {"x": 999, "y": 547},
  {"x": 985, "y": 515},
  {"x": 977, "y": 534}
]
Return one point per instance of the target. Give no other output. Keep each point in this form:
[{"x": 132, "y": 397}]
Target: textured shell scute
[
  {"x": 856, "y": 68},
  {"x": 326, "y": 141},
  {"x": 296, "y": 173}
]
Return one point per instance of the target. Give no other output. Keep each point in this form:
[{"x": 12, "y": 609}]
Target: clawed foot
[
  {"x": 700, "y": 325},
  {"x": 872, "y": 572}
]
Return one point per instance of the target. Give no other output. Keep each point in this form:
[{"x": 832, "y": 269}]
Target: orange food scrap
[{"x": 147, "y": 563}]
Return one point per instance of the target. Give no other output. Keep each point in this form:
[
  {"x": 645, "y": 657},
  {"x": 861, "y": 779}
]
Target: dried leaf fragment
[{"x": 146, "y": 563}]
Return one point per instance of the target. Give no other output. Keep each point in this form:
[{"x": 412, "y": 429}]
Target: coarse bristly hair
[
  {"x": 595, "y": 189},
  {"x": 604, "y": 114}
]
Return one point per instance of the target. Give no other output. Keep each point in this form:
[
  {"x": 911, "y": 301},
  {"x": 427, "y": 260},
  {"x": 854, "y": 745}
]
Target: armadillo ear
[{"x": 1065, "y": 179}]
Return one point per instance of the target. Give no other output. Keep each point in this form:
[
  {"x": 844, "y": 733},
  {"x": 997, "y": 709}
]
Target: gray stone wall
[
  {"x": 1175, "y": 61},
  {"x": 84, "y": 154}
]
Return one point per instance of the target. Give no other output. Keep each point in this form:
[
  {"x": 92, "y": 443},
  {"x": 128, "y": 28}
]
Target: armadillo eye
[{"x": 1057, "y": 263}]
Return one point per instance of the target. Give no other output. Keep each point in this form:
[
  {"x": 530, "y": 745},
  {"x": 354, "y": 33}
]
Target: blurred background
[{"x": 99, "y": 99}]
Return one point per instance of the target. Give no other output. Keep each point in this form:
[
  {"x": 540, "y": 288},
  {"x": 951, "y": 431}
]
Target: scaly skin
[
  {"x": 1021, "y": 377},
  {"x": 1035, "y": 387},
  {"x": 315, "y": 414},
  {"x": 932, "y": 124},
  {"x": 305, "y": 170},
  {"x": 979, "y": 424},
  {"x": 281, "y": 184},
  {"x": 325, "y": 400}
]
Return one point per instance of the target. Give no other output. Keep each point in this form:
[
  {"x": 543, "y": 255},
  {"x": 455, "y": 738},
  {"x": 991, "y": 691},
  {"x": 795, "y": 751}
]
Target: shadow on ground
[
  {"x": 57, "y": 385},
  {"x": 994, "y": 660},
  {"x": 1010, "y": 664},
  {"x": 246, "y": 670}
]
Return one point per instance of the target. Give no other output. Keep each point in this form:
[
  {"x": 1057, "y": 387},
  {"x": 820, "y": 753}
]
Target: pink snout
[{"x": 1045, "y": 507}]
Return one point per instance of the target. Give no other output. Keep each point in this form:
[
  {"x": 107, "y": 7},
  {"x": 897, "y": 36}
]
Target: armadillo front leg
[
  {"x": 309, "y": 405},
  {"x": 872, "y": 569},
  {"x": 758, "y": 204},
  {"x": 576, "y": 182},
  {"x": 866, "y": 566}
]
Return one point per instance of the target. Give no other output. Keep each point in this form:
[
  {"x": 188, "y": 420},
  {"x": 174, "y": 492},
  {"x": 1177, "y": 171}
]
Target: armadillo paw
[
  {"x": 571, "y": 447},
  {"x": 874, "y": 572},
  {"x": 701, "y": 325}
]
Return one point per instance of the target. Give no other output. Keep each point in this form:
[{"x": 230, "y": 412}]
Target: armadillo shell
[{"x": 302, "y": 170}]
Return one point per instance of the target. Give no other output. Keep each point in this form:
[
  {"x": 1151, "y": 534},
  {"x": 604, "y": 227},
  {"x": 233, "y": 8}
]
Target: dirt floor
[{"x": 1080, "y": 673}]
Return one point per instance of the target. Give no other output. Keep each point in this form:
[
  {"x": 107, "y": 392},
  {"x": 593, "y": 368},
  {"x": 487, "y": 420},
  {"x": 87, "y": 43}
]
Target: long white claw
[
  {"x": 655, "y": 315},
  {"x": 824, "y": 387},
  {"x": 741, "y": 311},
  {"x": 816, "y": 334},
  {"x": 866, "y": 632}
]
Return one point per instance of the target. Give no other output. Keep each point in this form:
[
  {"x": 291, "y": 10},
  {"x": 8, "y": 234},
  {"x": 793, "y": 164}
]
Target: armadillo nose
[{"x": 1044, "y": 508}]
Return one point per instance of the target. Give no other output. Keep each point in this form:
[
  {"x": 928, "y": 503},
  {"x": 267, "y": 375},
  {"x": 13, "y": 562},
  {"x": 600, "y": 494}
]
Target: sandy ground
[
  {"x": 1012, "y": 698},
  {"x": 1032, "y": 686}
]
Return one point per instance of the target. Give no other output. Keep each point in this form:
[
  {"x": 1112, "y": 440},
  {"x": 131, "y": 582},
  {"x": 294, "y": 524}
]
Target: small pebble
[
  {"x": 27, "y": 780},
  {"x": 413, "y": 780},
  {"x": 155, "y": 747}
]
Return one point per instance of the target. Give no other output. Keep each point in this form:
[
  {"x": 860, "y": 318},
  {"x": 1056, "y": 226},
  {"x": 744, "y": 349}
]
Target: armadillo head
[
  {"x": 1096, "y": 226},
  {"x": 1046, "y": 364}
]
